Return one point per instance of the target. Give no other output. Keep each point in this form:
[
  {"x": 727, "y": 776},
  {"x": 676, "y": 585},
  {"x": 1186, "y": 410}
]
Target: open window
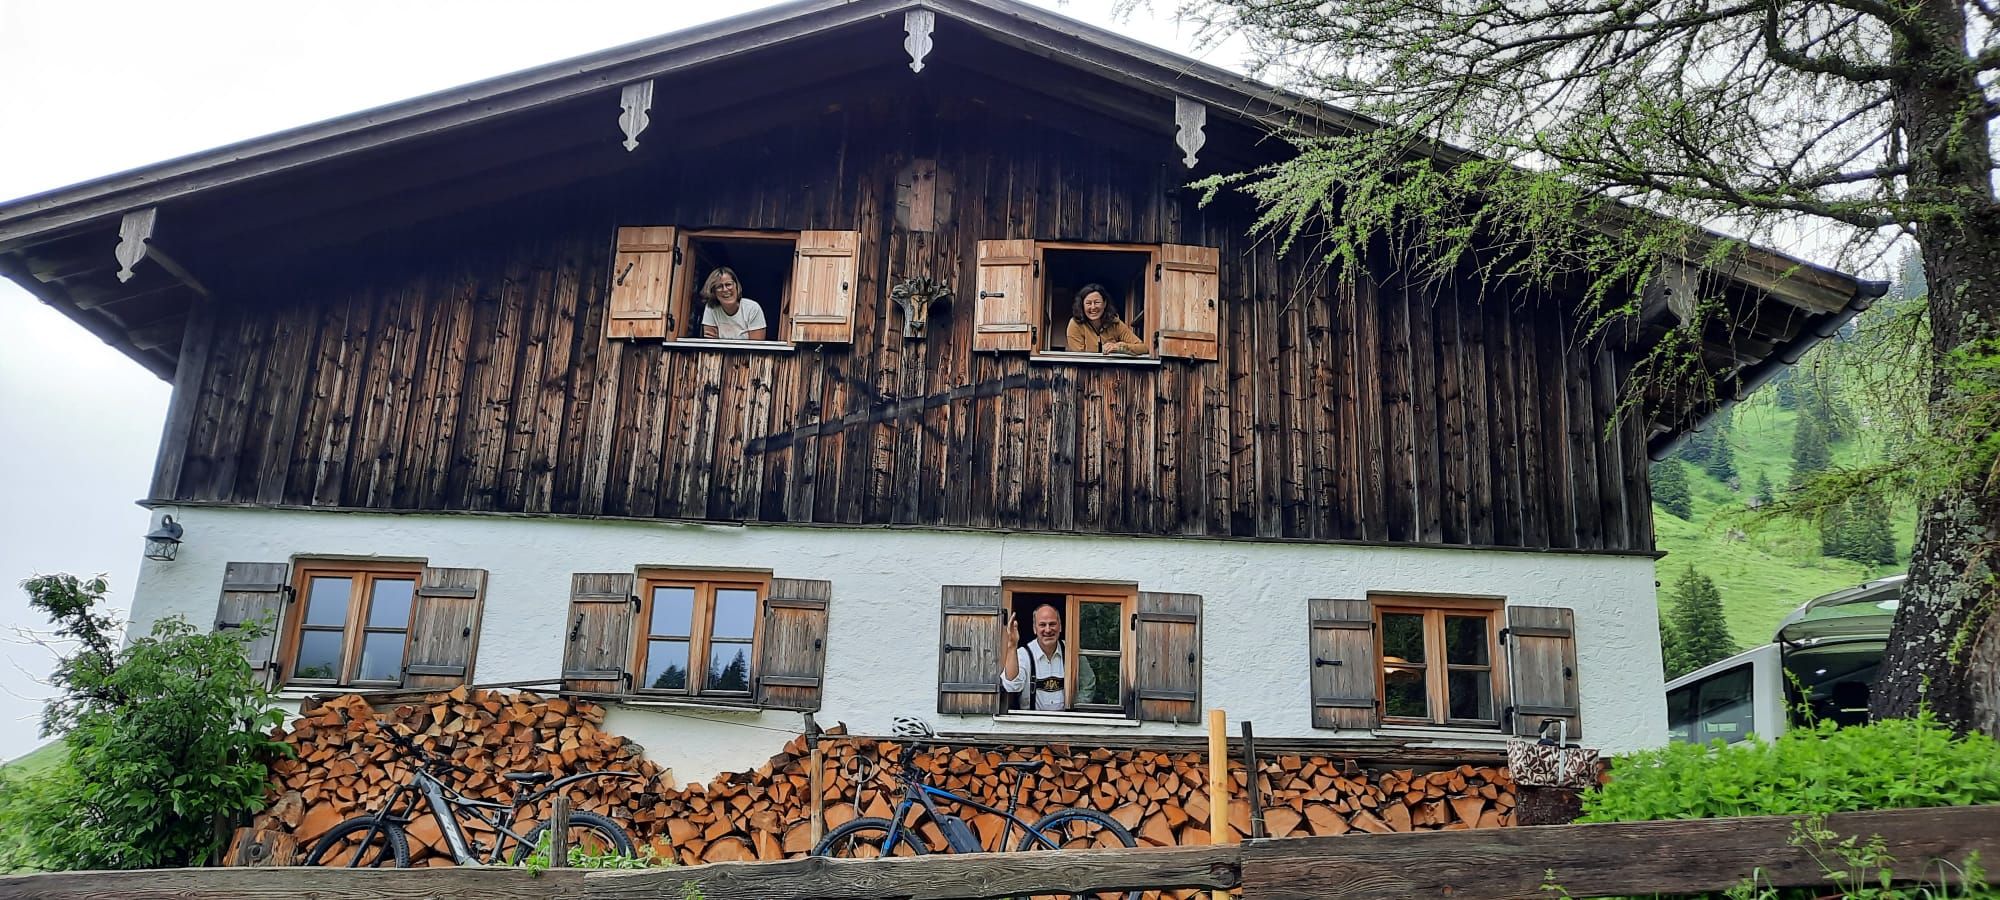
[
  {"x": 723, "y": 638},
  {"x": 1027, "y": 293},
  {"x": 799, "y": 286},
  {"x": 1438, "y": 661},
  {"x": 342, "y": 624},
  {"x": 1121, "y": 652}
]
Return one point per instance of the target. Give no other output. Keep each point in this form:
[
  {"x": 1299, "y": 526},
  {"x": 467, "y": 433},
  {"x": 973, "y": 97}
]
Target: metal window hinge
[
  {"x": 1503, "y": 637},
  {"x": 576, "y": 628},
  {"x": 291, "y": 593},
  {"x": 634, "y": 600}
]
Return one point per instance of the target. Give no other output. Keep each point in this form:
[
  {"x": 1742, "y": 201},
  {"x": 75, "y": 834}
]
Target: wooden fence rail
[{"x": 1495, "y": 864}]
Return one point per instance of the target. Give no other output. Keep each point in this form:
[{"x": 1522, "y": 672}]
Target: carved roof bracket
[
  {"x": 917, "y": 27},
  {"x": 133, "y": 231},
  {"x": 636, "y": 99},
  {"x": 1189, "y": 119}
]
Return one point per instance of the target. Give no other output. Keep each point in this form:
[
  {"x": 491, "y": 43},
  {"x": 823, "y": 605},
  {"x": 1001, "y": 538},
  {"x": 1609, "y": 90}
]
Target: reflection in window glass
[
  {"x": 319, "y": 655},
  {"x": 667, "y": 665},
  {"x": 1722, "y": 706},
  {"x": 1404, "y": 694},
  {"x": 1099, "y": 628},
  {"x": 1104, "y": 689},
  {"x": 735, "y": 613},
  {"x": 1465, "y": 640},
  {"x": 326, "y": 601},
  {"x": 1403, "y": 637},
  {"x": 728, "y": 666},
  {"x": 381, "y": 657},
  {"x": 673, "y": 611},
  {"x": 389, "y": 603},
  {"x": 1471, "y": 694}
]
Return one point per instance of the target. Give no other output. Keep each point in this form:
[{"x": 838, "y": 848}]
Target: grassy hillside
[
  {"x": 35, "y": 762},
  {"x": 1767, "y": 569}
]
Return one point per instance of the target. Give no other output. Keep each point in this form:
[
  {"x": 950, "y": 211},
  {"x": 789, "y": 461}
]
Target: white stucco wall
[{"x": 882, "y": 645}]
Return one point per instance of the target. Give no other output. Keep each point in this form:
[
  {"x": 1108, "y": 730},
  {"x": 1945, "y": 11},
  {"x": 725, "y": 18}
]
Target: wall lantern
[{"x": 165, "y": 541}]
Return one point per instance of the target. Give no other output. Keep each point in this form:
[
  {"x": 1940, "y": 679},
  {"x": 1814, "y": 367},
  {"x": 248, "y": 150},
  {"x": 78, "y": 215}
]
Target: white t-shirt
[
  {"x": 749, "y": 317},
  {"x": 1029, "y": 656}
]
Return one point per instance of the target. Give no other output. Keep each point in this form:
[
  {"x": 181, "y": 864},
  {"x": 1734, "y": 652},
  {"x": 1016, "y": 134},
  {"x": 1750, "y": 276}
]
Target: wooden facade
[{"x": 465, "y": 365}]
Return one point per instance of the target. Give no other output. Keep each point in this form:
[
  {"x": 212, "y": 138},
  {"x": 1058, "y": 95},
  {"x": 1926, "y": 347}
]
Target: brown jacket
[{"x": 1085, "y": 339}]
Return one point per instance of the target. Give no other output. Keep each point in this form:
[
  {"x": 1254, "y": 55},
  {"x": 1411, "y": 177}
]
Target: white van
[{"x": 1823, "y": 659}]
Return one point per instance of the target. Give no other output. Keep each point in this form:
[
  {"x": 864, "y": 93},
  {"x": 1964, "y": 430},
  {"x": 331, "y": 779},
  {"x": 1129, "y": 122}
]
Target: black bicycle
[
  {"x": 869, "y": 837},
  {"x": 378, "y": 839}
]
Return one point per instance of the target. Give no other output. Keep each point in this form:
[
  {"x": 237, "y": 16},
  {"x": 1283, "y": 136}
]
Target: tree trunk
[{"x": 1943, "y": 648}]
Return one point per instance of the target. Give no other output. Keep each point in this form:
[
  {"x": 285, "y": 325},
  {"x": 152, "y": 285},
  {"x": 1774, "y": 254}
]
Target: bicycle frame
[
  {"x": 917, "y": 793},
  {"x": 445, "y": 804}
]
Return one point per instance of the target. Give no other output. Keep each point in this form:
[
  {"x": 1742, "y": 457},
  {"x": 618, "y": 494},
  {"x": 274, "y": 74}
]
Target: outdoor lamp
[{"x": 165, "y": 541}]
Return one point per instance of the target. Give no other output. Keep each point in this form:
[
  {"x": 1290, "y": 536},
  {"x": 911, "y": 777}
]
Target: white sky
[{"x": 96, "y": 87}]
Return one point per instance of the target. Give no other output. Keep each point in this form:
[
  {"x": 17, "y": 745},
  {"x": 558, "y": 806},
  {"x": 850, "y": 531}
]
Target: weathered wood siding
[{"x": 462, "y": 365}]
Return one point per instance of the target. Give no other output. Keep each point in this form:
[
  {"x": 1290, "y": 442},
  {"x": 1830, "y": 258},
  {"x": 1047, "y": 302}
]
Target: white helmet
[{"x": 910, "y": 727}]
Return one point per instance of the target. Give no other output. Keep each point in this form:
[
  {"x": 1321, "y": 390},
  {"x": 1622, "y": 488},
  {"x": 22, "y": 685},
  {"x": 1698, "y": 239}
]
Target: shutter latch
[
  {"x": 950, "y": 647},
  {"x": 576, "y": 628},
  {"x": 1323, "y": 661}
]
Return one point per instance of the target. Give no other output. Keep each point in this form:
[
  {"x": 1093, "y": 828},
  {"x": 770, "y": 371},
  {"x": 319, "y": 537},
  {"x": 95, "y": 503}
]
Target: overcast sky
[{"x": 99, "y": 87}]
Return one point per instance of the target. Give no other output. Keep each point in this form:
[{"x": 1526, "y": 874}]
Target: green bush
[{"x": 1893, "y": 764}]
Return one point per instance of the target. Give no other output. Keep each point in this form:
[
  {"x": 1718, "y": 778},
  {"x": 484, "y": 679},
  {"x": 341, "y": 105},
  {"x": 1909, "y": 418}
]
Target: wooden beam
[
  {"x": 1622, "y": 859},
  {"x": 984, "y": 875},
  {"x": 295, "y": 882},
  {"x": 154, "y": 335}
]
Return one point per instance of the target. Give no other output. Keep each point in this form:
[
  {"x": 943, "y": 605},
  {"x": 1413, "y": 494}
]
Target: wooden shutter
[
  {"x": 1166, "y": 682},
  {"x": 1541, "y": 668},
  {"x": 1004, "y": 309},
  {"x": 599, "y": 644},
  {"x": 823, "y": 287},
  {"x": 794, "y": 662},
  {"x": 444, "y": 631},
  {"x": 644, "y": 273},
  {"x": 969, "y": 658},
  {"x": 255, "y": 592},
  {"x": 1186, "y": 304},
  {"x": 1343, "y": 664}
]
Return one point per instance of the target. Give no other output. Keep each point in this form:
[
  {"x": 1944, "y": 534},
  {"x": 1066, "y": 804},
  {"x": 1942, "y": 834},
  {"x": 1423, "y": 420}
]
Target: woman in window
[
  {"x": 1095, "y": 328},
  {"x": 728, "y": 314}
]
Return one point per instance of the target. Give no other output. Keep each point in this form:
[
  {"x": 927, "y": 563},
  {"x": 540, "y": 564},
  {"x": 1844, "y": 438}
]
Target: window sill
[
  {"x": 1483, "y": 734},
  {"x": 724, "y": 344},
  {"x": 710, "y": 705},
  {"x": 1064, "y": 357},
  {"x": 1036, "y": 719}
]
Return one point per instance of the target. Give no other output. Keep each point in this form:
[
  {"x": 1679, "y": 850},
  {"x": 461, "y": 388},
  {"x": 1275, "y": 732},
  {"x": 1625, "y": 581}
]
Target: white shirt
[
  {"x": 749, "y": 317},
  {"x": 1044, "y": 666}
]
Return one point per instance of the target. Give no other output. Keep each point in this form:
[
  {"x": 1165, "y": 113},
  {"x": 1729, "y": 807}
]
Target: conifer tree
[
  {"x": 1699, "y": 628},
  {"x": 1670, "y": 488},
  {"x": 1810, "y": 452}
]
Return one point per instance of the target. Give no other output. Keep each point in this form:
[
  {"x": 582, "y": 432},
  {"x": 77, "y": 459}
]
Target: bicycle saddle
[
  {"x": 1033, "y": 765},
  {"x": 529, "y": 778}
]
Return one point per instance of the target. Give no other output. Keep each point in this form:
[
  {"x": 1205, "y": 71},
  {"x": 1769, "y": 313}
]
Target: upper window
[
  {"x": 1442, "y": 661},
  {"x": 728, "y": 638},
  {"x": 337, "y": 624},
  {"x": 1151, "y": 300},
  {"x": 682, "y": 285}
]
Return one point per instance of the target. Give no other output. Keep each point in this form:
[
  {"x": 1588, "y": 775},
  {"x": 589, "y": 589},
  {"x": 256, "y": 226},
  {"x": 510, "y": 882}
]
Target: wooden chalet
[{"x": 443, "y": 408}]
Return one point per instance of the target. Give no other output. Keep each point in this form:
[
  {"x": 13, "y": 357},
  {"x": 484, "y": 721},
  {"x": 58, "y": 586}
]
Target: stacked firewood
[{"x": 344, "y": 768}]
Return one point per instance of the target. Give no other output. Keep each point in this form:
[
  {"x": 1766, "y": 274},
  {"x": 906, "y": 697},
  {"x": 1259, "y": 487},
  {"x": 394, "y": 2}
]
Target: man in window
[{"x": 1034, "y": 671}]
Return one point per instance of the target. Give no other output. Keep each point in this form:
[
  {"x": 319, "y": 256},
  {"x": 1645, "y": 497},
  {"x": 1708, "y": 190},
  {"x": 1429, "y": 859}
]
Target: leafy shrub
[
  {"x": 166, "y": 741},
  {"x": 1892, "y": 764}
]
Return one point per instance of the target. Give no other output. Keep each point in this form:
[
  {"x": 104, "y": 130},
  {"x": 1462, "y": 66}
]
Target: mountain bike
[
  {"x": 870, "y": 837},
  {"x": 378, "y": 838}
]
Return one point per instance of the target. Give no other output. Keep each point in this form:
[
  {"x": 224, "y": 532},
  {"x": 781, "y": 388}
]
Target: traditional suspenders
[{"x": 1038, "y": 684}]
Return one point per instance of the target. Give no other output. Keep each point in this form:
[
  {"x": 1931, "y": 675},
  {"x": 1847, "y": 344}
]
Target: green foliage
[
  {"x": 1700, "y": 632},
  {"x": 1891, "y": 764},
  {"x": 166, "y": 741},
  {"x": 1709, "y": 450},
  {"x": 1670, "y": 488},
  {"x": 1810, "y": 449}
]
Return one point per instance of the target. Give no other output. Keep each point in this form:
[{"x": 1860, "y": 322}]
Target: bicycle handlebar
[{"x": 434, "y": 762}]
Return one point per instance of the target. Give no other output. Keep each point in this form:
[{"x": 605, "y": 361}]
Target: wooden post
[
  {"x": 1218, "y": 784},
  {"x": 1250, "y": 785},
  {"x": 815, "y": 776},
  {"x": 559, "y": 832}
]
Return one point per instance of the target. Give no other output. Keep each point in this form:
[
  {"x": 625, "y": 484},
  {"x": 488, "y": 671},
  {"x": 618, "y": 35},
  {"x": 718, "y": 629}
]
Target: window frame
[
  {"x": 1049, "y": 322},
  {"x": 688, "y": 298},
  {"x": 1075, "y": 594},
  {"x": 354, "y": 628},
  {"x": 700, "y": 630},
  {"x": 1437, "y": 670}
]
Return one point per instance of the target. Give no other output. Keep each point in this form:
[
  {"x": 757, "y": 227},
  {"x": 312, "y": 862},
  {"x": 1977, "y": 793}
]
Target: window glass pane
[
  {"x": 319, "y": 655},
  {"x": 326, "y": 601},
  {"x": 673, "y": 612},
  {"x": 728, "y": 666},
  {"x": 1404, "y": 693},
  {"x": 1471, "y": 695},
  {"x": 1465, "y": 641},
  {"x": 1103, "y": 687},
  {"x": 1098, "y": 628},
  {"x": 389, "y": 603},
  {"x": 381, "y": 657},
  {"x": 735, "y": 613},
  {"x": 1680, "y": 714},
  {"x": 1723, "y": 707},
  {"x": 667, "y": 665},
  {"x": 1402, "y": 637}
]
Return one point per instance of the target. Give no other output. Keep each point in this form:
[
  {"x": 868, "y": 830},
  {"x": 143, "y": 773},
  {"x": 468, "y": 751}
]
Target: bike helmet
[{"x": 911, "y": 727}]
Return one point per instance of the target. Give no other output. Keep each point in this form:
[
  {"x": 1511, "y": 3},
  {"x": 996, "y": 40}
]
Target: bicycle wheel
[
  {"x": 863, "y": 839},
  {"x": 343, "y": 845},
  {"x": 595, "y": 835},
  {"x": 1081, "y": 829}
]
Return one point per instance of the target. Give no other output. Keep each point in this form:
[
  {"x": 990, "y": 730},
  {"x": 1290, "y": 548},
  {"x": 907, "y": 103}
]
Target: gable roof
[{"x": 58, "y": 244}]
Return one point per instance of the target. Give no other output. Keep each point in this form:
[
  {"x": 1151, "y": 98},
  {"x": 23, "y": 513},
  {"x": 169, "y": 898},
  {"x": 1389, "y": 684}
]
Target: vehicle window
[{"x": 1718, "y": 706}]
